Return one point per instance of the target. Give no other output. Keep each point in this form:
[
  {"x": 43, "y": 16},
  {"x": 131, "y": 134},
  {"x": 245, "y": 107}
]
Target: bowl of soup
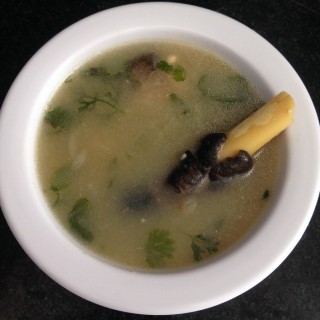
[{"x": 105, "y": 178}]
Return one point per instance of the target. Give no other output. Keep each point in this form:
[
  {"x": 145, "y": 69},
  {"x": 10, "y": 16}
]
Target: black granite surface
[{"x": 291, "y": 292}]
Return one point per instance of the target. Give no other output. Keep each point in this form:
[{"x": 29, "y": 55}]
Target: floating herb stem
[
  {"x": 89, "y": 102},
  {"x": 80, "y": 209}
]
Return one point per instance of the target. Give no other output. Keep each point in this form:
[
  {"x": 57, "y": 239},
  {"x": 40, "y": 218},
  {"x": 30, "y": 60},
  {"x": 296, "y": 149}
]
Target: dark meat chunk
[
  {"x": 141, "y": 67},
  {"x": 139, "y": 200},
  {"x": 209, "y": 147},
  {"x": 242, "y": 163},
  {"x": 188, "y": 174},
  {"x": 192, "y": 170}
]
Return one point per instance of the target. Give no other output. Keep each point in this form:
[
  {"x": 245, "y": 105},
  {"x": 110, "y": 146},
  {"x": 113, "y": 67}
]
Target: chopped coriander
[
  {"x": 176, "y": 100},
  {"x": 266, "y": 194},
  {"x": 164, "y": 66},
  {"x": 122, "y": 80},
  {"x": 158, "y": 247},
  {"x": 80, "y": 209},
  {"x": 96, "y": 72},
  {"x": 60, "y": 180},
  {"x": 219, "y": 224},
  {"x": 110, "y": 184},
  {"x": 227, "y": 89},
  {"x": 111, "y": 98},
  {"x": 179, "y": 73},
  {"x": 89, "y": 102},
  {"x": 113, "y": 163},
  {"x": 179, "y": 102},
  {"x": 68, "y": 79},
  {"x": 203, "y": 244},
  {"x": 58, "y": 117}
]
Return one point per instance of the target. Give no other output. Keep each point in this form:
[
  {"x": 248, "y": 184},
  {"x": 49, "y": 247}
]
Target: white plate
[{"x": 140, "y": 292}]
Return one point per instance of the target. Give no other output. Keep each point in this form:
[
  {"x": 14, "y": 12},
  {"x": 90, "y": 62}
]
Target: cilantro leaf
[
  {"x": 164, "y": 66},
  {"x": 227, "y": 89},
  {"x": 176, "y": 100},
  {"x": 219, "y": 224},
  {"x": 203, "y": 244},
  {"x": 266, "y": 194},
  {"x": 89, "y": 102},
  {"x": 86, "y": 103},
  {"x": 60, "y": 180},
  {"x": 179, "y": 102},
  {"x": 58, "y": 117},
  {"x": 113, "y": 164},
  {"x": 158, "y": 247},
  {"x": 96, "y": 72},
  {"x": 68, "y": 79},
  {"x": 80, "y": 209},
  {"x": 178, "y": 73}
]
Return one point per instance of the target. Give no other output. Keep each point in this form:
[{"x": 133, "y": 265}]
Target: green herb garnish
[
  {"x": 158, "y": 247},
  {"x": 60, "y": 180},
  {"x": 164, "y": 66},
  {"x": 266, "y": 194},
  {"x": 68, "y": 79},
  {"x": 79, "y": 210},
  {"x": 110, "y": 184},
  {"x": 89, "y": 102},
  {"x": 96, "y": 72},
  {"x": 178, "y": 72},
  {"x": 112, "y": 164},
  {"x": 219, "y": 224},
  {"x": 176, "y": 100},
  {"x": 227, "y": 89},
  {"x": 203, "y": 244},
  {"x": 58, "y": 117},
  {"x": 179, "y": 102},
  {"x": 86, "y": 103}
]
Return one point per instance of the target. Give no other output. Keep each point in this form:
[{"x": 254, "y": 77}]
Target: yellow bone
[{"x": 260, "y": 127}]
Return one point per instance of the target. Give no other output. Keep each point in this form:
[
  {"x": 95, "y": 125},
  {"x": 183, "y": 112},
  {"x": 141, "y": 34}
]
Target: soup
[{"x": 115, "y": 129}]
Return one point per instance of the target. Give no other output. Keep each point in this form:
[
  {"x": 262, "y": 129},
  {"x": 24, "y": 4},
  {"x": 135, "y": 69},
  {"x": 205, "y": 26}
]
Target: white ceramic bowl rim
[{"x": 141, "y": 292}]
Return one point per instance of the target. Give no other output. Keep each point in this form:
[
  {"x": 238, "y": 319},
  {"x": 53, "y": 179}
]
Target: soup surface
[{"x": 114, "y": 130}]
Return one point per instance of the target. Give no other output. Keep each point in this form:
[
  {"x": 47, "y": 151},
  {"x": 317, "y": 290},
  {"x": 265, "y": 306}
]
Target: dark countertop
[{"x": 292, "y": 291}]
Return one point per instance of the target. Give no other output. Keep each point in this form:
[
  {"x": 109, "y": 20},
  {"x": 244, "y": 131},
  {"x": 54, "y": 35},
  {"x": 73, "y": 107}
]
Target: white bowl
[{"x": 170, "y": 292}]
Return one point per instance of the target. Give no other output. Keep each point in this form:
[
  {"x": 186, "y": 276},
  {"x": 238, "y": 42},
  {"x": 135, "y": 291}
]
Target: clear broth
[{"x": 121, "y": 151}]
